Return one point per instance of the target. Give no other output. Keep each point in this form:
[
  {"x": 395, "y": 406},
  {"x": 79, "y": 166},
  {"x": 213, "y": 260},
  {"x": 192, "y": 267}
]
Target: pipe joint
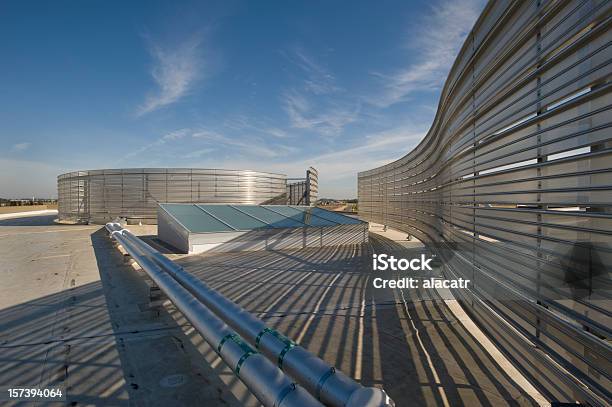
[
  {"x": 322, "y": 381},
  {"x": 248, "y": 351},
  {"x": 289, "y": 344},
  {"x": 284, "y": 393}
]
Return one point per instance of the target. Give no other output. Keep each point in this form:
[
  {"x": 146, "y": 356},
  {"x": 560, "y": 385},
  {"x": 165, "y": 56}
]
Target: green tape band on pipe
[{"x": 248, "y": 351}]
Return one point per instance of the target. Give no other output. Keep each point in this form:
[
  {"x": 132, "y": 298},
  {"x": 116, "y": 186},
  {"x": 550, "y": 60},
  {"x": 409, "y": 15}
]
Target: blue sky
[{"x": 272, "y": 86}]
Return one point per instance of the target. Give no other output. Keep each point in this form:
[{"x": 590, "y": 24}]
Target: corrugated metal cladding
[
  {"x": 196, "y": 228},
  {"x": 99, "y": 196},
  {"x": 513, "y": 183}
]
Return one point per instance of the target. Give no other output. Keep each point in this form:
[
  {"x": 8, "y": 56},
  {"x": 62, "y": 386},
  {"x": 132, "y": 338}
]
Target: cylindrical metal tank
[{"x": 99, "y": 196}]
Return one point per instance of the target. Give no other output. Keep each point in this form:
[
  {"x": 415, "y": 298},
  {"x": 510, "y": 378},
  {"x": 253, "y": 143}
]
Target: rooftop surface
[
  {"x": 74, "y": 314},
  {"x": 200, "y": 218}
]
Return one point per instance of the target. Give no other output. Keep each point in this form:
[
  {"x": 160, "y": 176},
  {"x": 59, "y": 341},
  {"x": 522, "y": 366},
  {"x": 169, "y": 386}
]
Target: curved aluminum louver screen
[{"x": 513, "y": 186}]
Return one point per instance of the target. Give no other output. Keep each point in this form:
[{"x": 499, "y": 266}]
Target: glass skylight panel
[
  {"x": 233, "y": 217},
  {"x": 274, "y": 219},
  {"x": 301, "y": 216},
  {"x": 335, "y": 217},
  {"x": 210, "y": 218},
  {"x": 196, "y": 220}
]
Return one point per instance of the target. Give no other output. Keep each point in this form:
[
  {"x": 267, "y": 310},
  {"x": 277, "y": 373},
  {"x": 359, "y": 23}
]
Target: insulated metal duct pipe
[
  {"x": 267, "y": 382},
  {"x": 327, "y": 384}
]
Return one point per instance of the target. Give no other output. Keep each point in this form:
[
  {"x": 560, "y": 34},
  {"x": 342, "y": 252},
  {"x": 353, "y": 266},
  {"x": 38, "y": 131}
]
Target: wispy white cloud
[
  {"x": 245, "y": 124},
  {"x": 173, "y": 135},
  {"x": 316, "y": 102},
  {"x": 436, "y": 43},
  {"x": 377, "y": 149},
  {"x": 338, "y": 168},
  {"x": 318, "y": 79},
  {"x": 276, "y": 132},
  {"x": 199, "y": 153},
  {"x": 188, "y": 143},
  {"x": 329, "y": 121},
  {"x": 176, "y": 69},
  {"x": 21, "y": 146},
  {"x": 250, "y": 146}
]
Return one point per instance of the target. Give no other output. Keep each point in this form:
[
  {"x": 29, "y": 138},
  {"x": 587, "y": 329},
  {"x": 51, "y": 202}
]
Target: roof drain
[
  {"x": 330, "y": 386},
  {"x": 266, "y": 381}
]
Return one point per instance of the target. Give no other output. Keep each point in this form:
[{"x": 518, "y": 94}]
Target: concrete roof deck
[
  {"x": 74, "y": 314},
  {"x": 409, "y": 342}
]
